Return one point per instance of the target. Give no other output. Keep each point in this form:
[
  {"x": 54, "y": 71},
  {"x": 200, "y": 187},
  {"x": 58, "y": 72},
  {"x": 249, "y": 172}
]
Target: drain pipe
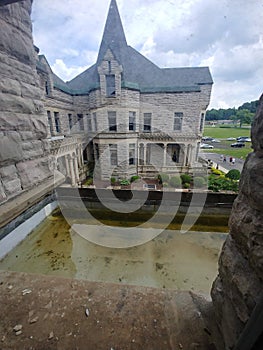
[{"x": 253, "y": 330}]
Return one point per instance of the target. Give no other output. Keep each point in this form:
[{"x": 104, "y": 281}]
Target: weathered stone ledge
[
  {"x": 56, "y": 313},
  {"x": 14, "y": 207}
]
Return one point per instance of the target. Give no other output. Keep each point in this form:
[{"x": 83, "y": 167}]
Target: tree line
[{"x": 242, "y": 115}]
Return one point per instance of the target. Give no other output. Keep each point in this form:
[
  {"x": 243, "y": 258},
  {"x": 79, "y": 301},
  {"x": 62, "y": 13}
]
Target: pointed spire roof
[
  {"x": 138, "y": 72},
  {"x": 113, "y": 36}
]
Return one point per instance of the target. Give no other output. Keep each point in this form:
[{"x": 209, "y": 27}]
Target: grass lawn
[
  {"x": 224, "y": 146},
  {"x": 231, "y": 152},
  {"x": 223, "y": 133}
]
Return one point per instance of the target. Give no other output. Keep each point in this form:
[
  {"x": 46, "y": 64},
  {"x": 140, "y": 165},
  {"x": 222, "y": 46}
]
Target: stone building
[{"x": 126, "y": 114}]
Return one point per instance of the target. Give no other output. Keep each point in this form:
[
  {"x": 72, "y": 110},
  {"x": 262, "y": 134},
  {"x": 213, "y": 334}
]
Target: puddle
[{"x": 171, "y": 260}]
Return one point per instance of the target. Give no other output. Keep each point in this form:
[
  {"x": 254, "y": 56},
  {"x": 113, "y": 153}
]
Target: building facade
[{"x": 125, "y": 115}]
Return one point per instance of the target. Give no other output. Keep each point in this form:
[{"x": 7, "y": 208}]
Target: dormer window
[{"x": 110, "y": 86}]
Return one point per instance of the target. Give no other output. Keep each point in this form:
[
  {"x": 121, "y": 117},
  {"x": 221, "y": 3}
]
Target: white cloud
[
  {"x": 64, "y": 72},
  {"x": 225, "y": 35}
]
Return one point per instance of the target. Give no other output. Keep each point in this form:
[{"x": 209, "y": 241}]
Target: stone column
[
  {"x": 71, "y": 169},
  {"x": 80, "y": 156},
  {"x": 164, "y": 154},
  {"x": 185, "y": 154},
  {"x": 144, "y": 153},
  {"x": 67, "y": 166},
  {"x": 76, "y": 168}
]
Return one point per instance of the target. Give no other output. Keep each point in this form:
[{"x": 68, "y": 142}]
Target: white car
[
  {"x": 206, "y": 146},
  {"x": 215, "y": 141}
]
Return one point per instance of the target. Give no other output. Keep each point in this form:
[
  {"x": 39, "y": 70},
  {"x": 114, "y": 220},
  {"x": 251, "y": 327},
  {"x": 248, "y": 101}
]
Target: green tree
[{"x": 244, "y": 116}]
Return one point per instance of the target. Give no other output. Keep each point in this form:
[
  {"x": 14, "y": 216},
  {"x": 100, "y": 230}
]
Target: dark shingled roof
[{"x": 138, "y": 72}]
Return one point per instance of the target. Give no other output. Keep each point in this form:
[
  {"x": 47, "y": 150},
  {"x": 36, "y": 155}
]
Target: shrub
[
  {"x": 163, "y": 178},
  {"x": 222, "y": 183},
  {"x": 175, "y": 181},
  {"x": 134, "y": 178},
  {"x": 186, "y": 178},
  {"x": 124, "y": 182},
  {"x": 199, "y": 182},
  {"x": 186, "y": 185},
  {"x": 233, "y": 174},
  {"x": 217, "y": 171},
  {"x": 113, "y": 180},
  {"x": 89, "y": 181}
]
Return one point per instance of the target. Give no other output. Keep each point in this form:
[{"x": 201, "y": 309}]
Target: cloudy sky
[{"x": 226, "y": 35}]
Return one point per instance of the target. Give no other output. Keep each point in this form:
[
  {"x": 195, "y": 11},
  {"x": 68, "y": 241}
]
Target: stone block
[
  {"x": 39, "y": 126},
  {"x": 229, "y": 324},
  {"x": 2, "y": 193},
  {"x": 16, "y": 104},
  {"x": 31, "y": 91},
  {"x": 32, "y": 172},
  {"x": 16, "y": 43},
  {"x": 251, "y": 182},
  {"x": 32, "y": 149},
  {"x": 8, "y": 172},
  {"x": 10, "y": 150},
  {"x": 10, "y": 86},
  {"x": 12, "y": 187},
  {"x": 26, "y": 135},
  {"x": 242, "y": 284}
]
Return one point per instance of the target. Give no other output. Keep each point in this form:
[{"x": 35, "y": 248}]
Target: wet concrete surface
[
  {"x": 44, "y": 312},
  {"x": 171, "y": 260}
]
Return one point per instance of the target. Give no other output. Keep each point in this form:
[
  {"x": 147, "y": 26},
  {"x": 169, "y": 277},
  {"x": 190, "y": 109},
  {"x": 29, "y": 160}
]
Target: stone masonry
[
  {"x": 239, "y": 285},
  {"x": 23, "y": 146}
]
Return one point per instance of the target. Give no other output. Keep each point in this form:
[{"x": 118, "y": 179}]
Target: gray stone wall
[
  {"x": 239, "y": 285},
  {"x": 23, "y": 146}
]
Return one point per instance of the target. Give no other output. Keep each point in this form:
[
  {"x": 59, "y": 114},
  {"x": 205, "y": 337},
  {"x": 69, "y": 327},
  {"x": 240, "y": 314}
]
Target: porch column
[
  {"x": 185, "y": 155},
  {"x": 164, "y": 154},
  {"x": 79, "y": 154},
  {"x": 67, "y": 166},
  {"x": 76, "y": 168},
  {"x": 144, "y": 153},
  {"x": 71, "y": 168}
]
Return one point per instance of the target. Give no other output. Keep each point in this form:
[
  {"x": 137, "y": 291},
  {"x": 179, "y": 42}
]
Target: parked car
[
  {"x": 231, "y": 139},
  {"x": 238, "y": 145},
  {"x": 243, "y": 139},
  {"x": 206, "y": 146},
  {"x": 207, "y": 138},
  {"x": 215, "y": 141}
]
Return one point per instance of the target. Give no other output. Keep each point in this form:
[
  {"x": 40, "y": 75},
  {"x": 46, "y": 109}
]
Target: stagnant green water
[{"x": 171, "y": 260}]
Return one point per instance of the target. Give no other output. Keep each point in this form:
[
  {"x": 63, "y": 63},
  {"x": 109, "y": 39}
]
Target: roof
[{"x": 139, "y": 73}]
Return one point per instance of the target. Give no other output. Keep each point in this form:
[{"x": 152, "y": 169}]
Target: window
[
  {"x": 147, "y": 121},
  {"x": 57, "y": 122},
  {"x": 132, "y": 121},
  {"x": 178, "y": 120},
  {"x": 80, "y": 121},
  {"x": 113, "y": 155},
  {"x": 109, "y": 66},
  {"x": 132, "y": 153},
  {"x": 70, "y": 121},
  {"x": 94, "y": 116},
  {"x": 47, "y": 88},
  {"x": 50, "y": 123},
  {"x": 97, "y": 151},
  {"x": 202, "y": 122},
  {"x": 112, "y": 121},
  {"x": 89, "y": 124},
  {"x": 110, "y": 85}
]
